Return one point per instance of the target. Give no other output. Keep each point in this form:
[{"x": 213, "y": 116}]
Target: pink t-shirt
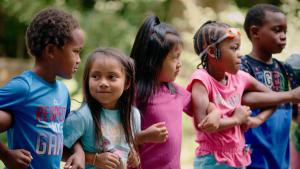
[
  {"x": 168, "y": 107},
  {"x": 227, "y": 145}
]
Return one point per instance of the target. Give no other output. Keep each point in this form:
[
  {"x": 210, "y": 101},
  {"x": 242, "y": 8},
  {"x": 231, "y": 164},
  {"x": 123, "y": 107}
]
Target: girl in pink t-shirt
[
  {"x": 156, "y": 52},
  {"x": 221, "y": 82}
]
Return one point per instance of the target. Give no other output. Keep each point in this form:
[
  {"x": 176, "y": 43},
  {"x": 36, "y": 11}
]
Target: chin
[
  {"x": 68, "y": 77},
  {"x": 233, "y": 72}
]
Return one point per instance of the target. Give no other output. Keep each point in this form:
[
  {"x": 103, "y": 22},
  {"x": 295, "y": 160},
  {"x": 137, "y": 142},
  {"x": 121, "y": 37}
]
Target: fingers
[
  {"x": 69, "y": 163},
  {"x": 160, "y": 124},
  {"x": 25, "y": 156},
  {"x": 162, "y": 129},
  {"x": 203, "y": 123},
  {"x": 110, "y": 160},
  {"x": 247, "y": 109},
  {"x": 23, "y": 164}
]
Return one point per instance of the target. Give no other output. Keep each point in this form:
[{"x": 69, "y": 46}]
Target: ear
[
  {"x": 50, "y": 50},
  {"x": 254, "y": 31},
  {"x": 127, "y": 85},
  {"x": 211, "y": 52}
]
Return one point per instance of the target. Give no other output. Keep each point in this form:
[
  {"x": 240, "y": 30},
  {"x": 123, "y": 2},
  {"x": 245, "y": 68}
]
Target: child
[
  {"x": 38, "y": 102},
  {"x": 221, "y": 82},
  {"x": 105, "y": 122},
  {"x": 266, "y": 27},
  {"x": 156, "y": 52}
]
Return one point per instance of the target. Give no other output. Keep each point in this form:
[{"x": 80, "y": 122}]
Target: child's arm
[
  {"x": 200, "y": 105},
  {"x": 133, "y": 159},
  {"x": 239, "y": 117},
  {"x": 5, "y": 121},
  {"x": 156, "y": 133},
  {"x": 253, "y": 122},
  {"x": 75, "y": 160},
  {"x": 16, "y": 159},
  {"x": 106, "y": 160},
  {"x": 211, "y": 121},
  {"x": 264, "y": 97}
]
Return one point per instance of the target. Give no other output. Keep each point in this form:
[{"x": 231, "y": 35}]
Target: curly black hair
[
  {"x": 256, "y": 16},
  {"x": 49, "y": 26}
]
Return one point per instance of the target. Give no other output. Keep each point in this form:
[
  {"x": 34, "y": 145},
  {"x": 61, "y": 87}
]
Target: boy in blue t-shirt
[
  {"x": 37, "y": 101},
  {"x": 266, "y": 27}
]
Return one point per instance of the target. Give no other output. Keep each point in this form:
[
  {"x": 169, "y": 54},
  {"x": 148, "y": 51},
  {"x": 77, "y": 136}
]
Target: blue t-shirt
[
  {"x": 39, "y": 110},
  {"x": 270, "y": 141},
  {"x": 79, "y": 125}
]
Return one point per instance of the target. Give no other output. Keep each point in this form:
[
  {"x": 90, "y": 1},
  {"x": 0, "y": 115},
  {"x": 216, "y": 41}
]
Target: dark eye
[
  {"x": 94, "y": 76},
  {"x": 279, "y": 29},
  {"x": 235, "y": 48},
  {"x": 113, "y": 77}
]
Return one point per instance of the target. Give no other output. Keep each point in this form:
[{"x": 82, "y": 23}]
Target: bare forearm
[
  {"x": 66, "y": 154},
  {"x": 89, "y": 158},
  {"x": 141, "y": 137},
  {"x": 266, "y": 99},
  {"x": 228, "y": 122},
  {"x": 265, "y": 114}
]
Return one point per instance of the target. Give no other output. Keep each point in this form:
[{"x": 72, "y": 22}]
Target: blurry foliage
[
  {"x": 106, "y": 23},
  {"x": 114, "y": 23}
]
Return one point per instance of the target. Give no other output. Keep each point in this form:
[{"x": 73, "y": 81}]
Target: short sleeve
[
  {"x": 13, "y": 93},
  {"x": 245, "y": 78},
  {"x": 136, "y": 122},
  {"x": 187, "y": 100},
  {"x": 74, "y": 127},
  {"x": 201, "y": 76}
]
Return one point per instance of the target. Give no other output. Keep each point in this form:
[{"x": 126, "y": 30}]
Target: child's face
[
  {"x": 67, "y": 59},
  {"x": 272, "y": 34},
  {"x": 171, "y": 65},
  {"x": 230, "y": 60},
  {"x": 107, "y": 81}
]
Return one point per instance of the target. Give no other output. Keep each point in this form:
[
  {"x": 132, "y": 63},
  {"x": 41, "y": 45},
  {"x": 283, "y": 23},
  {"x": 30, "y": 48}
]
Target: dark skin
[
  {"x": 269, "y": 38},
  {"x": 16, "y": 159}
]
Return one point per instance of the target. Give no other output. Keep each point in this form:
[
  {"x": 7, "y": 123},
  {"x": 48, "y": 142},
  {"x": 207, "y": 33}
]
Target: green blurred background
[{"x": 114, "y": 23}]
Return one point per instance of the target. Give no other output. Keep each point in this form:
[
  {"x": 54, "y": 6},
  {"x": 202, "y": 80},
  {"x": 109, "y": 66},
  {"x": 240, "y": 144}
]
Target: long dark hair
[
  {"x": 126, "y": 100},
  {"x": 151, "y": 46}
]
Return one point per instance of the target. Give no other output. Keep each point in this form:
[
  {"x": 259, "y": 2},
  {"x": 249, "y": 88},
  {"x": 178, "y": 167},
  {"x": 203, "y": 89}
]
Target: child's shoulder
[
  {"x": 20, "y": 83},
  {"x": 200, "y": 74},
  {"x": 82, "y": 112}
]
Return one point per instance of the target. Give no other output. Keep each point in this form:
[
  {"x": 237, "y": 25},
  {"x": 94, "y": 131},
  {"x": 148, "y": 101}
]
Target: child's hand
[
  {"x": 76, "y": 161},
  {"x": 107, "y": 160},
  {"x": 211, "y": 122},
  {"x": 241, "y": 114},
  {"x": 156, "y": 133},
  {"x": 133, "y": 159},
  {"x": 17, "y": 159},
  {"x": 252, "y": 122}
]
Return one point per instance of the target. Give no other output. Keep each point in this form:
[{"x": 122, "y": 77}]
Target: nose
[
  {"x": 179, "y": 64},
  {"x": 283, "y": 36},
  {"x": 78, "y": 60},
  {"x": 103, "y": 83}
]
